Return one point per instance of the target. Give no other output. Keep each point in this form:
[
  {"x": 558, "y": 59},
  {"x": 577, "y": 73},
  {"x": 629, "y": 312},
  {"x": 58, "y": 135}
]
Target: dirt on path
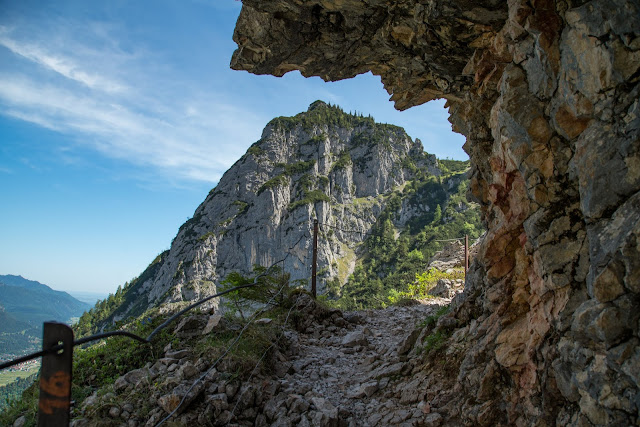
[{"x": 346, "y": 373}]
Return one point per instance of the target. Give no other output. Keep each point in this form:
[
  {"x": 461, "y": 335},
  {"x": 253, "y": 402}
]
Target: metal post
[
  {"x": 466, "y": 256},
  {"x": 314, "y": 266},
  {"x": 55, "y": 376}
]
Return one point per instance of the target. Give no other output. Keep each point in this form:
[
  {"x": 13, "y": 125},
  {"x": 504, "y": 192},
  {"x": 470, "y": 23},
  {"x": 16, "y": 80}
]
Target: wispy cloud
[
  {"x": 199, "y": 144},
  {"x": 60, "y": 64},
  {"x": 148, "y": 121}
]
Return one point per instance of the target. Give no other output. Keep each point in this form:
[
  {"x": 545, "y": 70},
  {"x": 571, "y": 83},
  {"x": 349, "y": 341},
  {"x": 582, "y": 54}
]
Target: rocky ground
[
  {"x": 329, "y": 369},
  {"x": 350, "y": 374}
]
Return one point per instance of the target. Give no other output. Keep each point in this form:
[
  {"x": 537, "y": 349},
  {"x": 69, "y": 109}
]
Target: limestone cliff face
[
  {"x": 323, "y": 164},
  {"x": 546, "y": 93}
]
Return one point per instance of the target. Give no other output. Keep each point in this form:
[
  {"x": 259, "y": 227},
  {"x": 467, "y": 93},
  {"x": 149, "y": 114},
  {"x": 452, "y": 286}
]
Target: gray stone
[
  {"x": 120, "y": 384},
  {"x": 355, "y": 338},
  {"x": 137, "y": 376},
  {"x": 185, "y": 393},
  {"x": 387, "y": 370},
  {"x": 186, "y": 371},
  {"x": 326, "y": 408},
  {"x": 354, "y": 318},
  {"x": 369, "y": 388},
  {"x": 218, "y": 403},
  {"x": 374, "y": 419},
  {"x": 177, "y": 354},
  {"x": 114, "y": 412},
  {"x": 297, "y": 404},
  {"x": 191, "y": 326},
  {"x": 433, "y": 419},
  {"x": 408, "y": 343},
  {"x": 20, "y": 422},
  {"x": 212, "y": 322}
]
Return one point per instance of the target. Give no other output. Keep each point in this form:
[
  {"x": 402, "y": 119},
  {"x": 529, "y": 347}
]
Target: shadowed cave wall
[{"x": 546, "y": 93}]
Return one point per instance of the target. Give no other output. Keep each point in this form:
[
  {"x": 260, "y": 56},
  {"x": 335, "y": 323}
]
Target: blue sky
[{"x": 118, "y": 117}]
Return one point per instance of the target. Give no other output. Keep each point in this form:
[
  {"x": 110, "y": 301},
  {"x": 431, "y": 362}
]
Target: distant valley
[
  {"x": 90, "y": 298},
  {"x": 24, "y": 306}
]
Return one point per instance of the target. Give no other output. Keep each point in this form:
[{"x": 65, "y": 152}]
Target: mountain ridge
[
  {"x": 24, "y": 305},
  {"x": 342, "y": 169}
]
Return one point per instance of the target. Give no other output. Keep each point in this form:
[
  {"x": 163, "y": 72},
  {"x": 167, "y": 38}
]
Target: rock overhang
[
  {"x": 546, "y": 93},
  {"x": 339, "y": 40}
]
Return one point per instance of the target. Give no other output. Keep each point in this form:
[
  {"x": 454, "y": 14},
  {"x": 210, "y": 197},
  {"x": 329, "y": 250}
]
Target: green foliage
[
  {"x": 305, "y": 182},
  {"x": 26, "y": 405},
  {"x": 310, "y": 197},
  {"x": 435, "y": 341},
  {"x": 409, "y": 164},
  {"x": 431, "y": 320},
  {"x": 255, "y": 150},
  {"x": 272, "y": 288},
  {"x": 344, "y": 160},
  {"x": 243, "y": 207},
  {"x": 291, "y": 169},
  {"x": 318, "y": 139},
  {"x": 102, "y": 363},
  {"x": 276, "y": 181},
  {"x": 437, "y": 215},
  {"x": 99, "y": 365},
  {"x": 394, "y": 258},
  {"x": 247, "y": 353},
  {"x": 423, "y": 283},
  {"x": 453, "y": 166},
  {"x": 18, "y": 337},
  {"x": 321, "y": 114},
  {"x": 206, "y": 236},
  {"x": 14, "y": 389},
  {"x": 103, "y": 313}
]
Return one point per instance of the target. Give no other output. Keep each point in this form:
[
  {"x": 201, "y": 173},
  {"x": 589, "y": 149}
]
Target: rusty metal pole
[
  {"x": 466, "y": 256},
  {"x": 314, "y": 266},
  {"x": 55, "y": 376}
]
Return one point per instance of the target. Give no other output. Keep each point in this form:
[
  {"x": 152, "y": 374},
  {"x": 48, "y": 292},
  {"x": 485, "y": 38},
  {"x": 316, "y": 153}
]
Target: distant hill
[
  {"x": 9, "y": 324},
  {"x": 25, "y": 305}
]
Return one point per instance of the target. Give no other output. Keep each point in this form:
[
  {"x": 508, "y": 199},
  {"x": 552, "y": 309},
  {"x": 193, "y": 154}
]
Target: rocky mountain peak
[{"x": 323, "y": 164}]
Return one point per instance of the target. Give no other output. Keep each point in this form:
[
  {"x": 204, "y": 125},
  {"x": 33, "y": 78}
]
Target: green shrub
[
  {"x": 344, "y": 160},
  {"x": 276, "y": 181},
  {"x": 310, "y": 197},
  {"x": 242, "y": 206},
  {"x": 298, "y": 167},
  {"x": 423, "y": 283},
  {"x": 255, "y": 150},
  {"x": 206, "y": 236}
]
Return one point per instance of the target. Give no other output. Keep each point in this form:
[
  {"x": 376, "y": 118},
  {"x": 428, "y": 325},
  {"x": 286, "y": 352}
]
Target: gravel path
[{"x": 349, "y": 372}]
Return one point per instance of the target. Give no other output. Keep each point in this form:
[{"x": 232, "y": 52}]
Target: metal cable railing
[{"x": 58, "y": 344}]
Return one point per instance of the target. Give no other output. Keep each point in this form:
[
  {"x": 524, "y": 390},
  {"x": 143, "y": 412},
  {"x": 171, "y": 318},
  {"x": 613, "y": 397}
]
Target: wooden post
[
  {"x": 466, "y": 256},
  {"x": 55, "y": 376},
  {"x": 314, "y": 266}
]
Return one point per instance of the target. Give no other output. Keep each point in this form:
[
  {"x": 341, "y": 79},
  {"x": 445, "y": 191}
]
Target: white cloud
[
  {"x": 60, "y": 64},
  {"x": 149, "y": 121}
]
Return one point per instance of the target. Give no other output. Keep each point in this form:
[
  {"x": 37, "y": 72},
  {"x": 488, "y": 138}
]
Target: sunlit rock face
[{"x": 546, "y": 93}]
